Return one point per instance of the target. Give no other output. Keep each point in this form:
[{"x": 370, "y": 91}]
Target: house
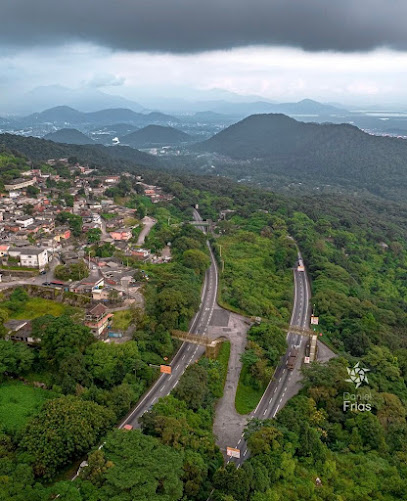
[
  {"x": 18, "y": 184},
  {"x": 140, "y": 253},
  {"x": 111, "y": 179},
  {"x": 20, "y": 331},
  {"x": 62, "y": 233},
  {"x": 4, "y": 250},
  {"x": 93, "y": 284},
  {"x": 31, "y": 257},
  {"x": 97, "y": 319},
  {"x": 25, "y": 221},
  {"x": 122, "y": 234}
]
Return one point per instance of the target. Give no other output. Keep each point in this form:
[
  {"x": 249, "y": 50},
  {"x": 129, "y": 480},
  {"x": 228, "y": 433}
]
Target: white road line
[
  {"x": 245, "y": 452},
  {"x": 275, "y": 412},
  {"x": 264, "y": 413},
  {"x": 176, "y": 368},
  {"x": 183, "y": 356},
  {"x": 239, "y": 441}
]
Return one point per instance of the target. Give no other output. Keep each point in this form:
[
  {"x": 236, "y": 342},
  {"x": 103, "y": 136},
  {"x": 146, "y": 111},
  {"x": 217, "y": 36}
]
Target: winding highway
[
  {"x": 188, "y": 353},
  {"x": 285, "y": 383}
]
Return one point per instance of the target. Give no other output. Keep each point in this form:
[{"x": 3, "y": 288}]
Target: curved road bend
[
  {"x": 284, "y": 384},
  {"x": 188, "y": 352}
]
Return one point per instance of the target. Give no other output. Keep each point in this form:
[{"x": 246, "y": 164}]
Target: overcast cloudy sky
[{"x": 351, "y": 52}]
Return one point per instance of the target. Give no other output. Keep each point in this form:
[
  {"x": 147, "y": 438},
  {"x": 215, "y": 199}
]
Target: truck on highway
[
  {"x": 292, "y": 358},
  {"x": 300, "y": 266}
]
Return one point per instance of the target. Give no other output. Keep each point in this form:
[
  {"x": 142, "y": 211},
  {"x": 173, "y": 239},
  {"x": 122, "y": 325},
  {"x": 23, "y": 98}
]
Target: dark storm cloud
[{"x": 192, "y": 26}]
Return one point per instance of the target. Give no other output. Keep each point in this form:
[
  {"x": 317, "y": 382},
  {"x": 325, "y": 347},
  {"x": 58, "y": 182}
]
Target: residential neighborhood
[{"x": 64, "y": 227}]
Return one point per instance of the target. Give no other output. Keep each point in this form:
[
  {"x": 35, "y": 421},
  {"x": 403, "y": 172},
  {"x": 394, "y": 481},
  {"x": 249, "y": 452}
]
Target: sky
[{"x": 347, "y": 52}]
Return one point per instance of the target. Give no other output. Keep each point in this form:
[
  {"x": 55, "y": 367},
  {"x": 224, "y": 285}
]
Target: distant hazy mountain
[
  {"x": 59, "y": 114},
  {"x": 321, "y": 153},
  {"x": 304, "y": 107},
  {"x": 155, "y": 135},
  {"x": 107, "y": 134},
  {"x": 65, "y": 115},
  {"x": 69, "y": 136},
  {"x": 84, "y": 99}
]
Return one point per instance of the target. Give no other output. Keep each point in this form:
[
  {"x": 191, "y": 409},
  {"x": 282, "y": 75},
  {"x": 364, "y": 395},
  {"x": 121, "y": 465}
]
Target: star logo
[{"x": 357, "y": 375}]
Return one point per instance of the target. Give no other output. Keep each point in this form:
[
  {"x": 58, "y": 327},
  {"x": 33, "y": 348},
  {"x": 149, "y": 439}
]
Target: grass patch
[
  {"x": 19, "y": 268},
  {"x": 18, "y": 403},
  {"x": 247, "y": 397},
  {"x": 122, "y": 319},
  {"x": 37, "y": 307},
  {"x": 223, "y": 359}
]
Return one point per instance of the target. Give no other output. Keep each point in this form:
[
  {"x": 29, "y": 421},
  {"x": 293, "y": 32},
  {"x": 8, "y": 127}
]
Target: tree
[
  {"x": 65, "y": 428},
  {"x": 109, "y": 363},
  {"x": 72, "y": 271},
  {"x": 94, "y": 235},
  {"x": 15, "y": 358},
  {"x": 60, "y": 337},
  {"x": 141, "y": 469},
  {"x": 74, "y": 221},
  {"x": 3, "y": 319},
  {"x": 193, "y": 386},
  {"x": 197, "y": 260}
]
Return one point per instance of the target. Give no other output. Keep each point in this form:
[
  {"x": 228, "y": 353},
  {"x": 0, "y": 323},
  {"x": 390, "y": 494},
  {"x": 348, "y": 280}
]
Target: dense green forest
[
  {"x": 267, "y": 146},
  {"x": 95, "y": 154},
  {"x": 355, "y": 253}
]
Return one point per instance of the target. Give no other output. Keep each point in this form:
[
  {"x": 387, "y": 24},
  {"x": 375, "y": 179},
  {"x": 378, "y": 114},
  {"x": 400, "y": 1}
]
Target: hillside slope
[
  {"x": 154, "y": 135},
  {"x": 322, "y": 153},
  {"x": 119, "y": 157},
  {"x": 68, "y": 136}
]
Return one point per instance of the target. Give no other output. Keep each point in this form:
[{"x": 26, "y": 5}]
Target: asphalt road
[
  {"x": 188, "y": 353},
  {"x": 285, "y": 383},
  {"x": 148, "y": 223}
]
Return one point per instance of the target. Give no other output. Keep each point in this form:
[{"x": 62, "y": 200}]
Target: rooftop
[{"x": 98, "y": 310}]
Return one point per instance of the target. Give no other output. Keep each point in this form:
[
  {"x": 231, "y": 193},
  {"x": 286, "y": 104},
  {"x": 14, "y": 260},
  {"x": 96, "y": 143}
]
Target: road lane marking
[
  {"x": 183, "y": 356},
  {"x": 275, "y": 412},
  {"x": 176, "y": 368},
  {"x": 264, "y": 413}
]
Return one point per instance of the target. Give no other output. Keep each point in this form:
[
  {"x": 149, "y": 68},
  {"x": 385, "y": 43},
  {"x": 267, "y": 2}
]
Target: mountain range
[{"x": 64, "y": 115}]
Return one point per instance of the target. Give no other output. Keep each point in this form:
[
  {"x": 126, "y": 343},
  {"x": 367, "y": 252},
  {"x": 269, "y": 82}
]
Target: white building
[
  {"x": 30, "y": 257},
  {"x": 25, "y": 221}
]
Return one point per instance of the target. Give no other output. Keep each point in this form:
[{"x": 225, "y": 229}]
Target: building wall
[{"x": 35, "y": 260}]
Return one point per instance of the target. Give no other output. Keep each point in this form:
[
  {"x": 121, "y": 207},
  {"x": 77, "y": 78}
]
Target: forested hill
[
  {"x": 155, "y": 135},
  {"x": 323, "y": 153},
  {"x": 118, "y": 157},
  {"x": 69, "y": 136}
]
